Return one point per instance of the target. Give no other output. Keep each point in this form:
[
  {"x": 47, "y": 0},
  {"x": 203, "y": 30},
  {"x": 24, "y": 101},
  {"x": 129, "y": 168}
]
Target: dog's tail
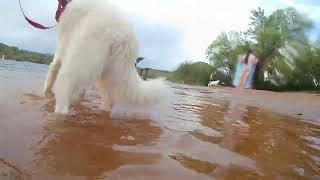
[{"x": 128, "y": 87}]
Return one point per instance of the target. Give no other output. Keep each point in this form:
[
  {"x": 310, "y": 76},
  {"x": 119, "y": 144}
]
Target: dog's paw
[
  {"x": 106, "y": 108},
  {"x": 61, "y": 110},
  {"x": 47, "y": 93},
  {"x": 82, "y": 95}
]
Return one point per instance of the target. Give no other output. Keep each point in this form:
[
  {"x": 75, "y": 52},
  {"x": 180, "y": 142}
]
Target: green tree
[
  {"x": 224, "y": 49},
  {"x": 192, "y": 73},
  {"x": 275, "y": 34}
]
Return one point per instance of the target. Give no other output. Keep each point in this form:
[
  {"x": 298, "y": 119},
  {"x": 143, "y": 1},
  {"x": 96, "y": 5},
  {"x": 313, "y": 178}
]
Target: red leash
[{"x": 61, "y": 6}]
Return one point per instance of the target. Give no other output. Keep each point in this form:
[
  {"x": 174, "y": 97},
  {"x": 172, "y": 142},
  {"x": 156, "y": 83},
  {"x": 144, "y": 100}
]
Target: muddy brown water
[{"x": 204, "y": 133}]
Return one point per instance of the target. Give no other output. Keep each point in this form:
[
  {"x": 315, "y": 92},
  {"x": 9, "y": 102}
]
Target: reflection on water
[
  {"x": 82, "y": 144},
  {"x": 277, "y": 143},
  {"x": 204, "y": 134}
]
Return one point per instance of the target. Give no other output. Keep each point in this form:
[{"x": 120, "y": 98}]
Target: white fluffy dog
[
  {"x": 96, "y": 45},
  {"x": 213, "y": 83}
]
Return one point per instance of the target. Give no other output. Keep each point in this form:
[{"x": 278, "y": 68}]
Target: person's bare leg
[{"x": 243, "y": 79}]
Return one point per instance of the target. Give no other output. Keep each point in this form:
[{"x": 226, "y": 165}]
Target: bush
[{"x": 192, "y": 73}]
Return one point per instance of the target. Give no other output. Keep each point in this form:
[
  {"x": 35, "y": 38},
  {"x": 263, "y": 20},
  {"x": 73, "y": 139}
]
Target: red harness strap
[{"x": 61, "y": 6}]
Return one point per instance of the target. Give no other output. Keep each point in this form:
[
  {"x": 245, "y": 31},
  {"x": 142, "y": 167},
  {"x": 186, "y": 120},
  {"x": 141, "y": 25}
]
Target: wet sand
[{"x": 204, "y": 134}]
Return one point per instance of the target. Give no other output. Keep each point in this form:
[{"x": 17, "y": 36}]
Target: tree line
[{"x": 14, "y": 53}]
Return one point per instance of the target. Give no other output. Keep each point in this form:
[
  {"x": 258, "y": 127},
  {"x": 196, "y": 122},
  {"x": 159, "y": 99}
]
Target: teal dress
[{"x": 239, "y": 71}]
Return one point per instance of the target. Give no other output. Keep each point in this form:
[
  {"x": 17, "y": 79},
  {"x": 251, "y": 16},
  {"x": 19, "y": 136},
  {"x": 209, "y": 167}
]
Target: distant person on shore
[{"x": 246, "y": 65}]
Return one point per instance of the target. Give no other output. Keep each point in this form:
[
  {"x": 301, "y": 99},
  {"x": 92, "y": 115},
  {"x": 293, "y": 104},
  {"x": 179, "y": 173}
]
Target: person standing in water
[{"x": 246, "y": 65}]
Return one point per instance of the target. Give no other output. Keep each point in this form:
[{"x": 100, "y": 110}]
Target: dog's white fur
[
  {"x": 213, "y": 83},
  {"x": 95, "y": 44}
]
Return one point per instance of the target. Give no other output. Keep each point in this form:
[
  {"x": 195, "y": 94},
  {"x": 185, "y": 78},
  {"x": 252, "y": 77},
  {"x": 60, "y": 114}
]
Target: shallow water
[{"x": 203, "y": 134}]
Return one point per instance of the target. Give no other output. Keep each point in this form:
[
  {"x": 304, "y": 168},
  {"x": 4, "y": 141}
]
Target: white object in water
[
  {"x": 213, "y": 83},
  {"x": 2, "y": 57}
]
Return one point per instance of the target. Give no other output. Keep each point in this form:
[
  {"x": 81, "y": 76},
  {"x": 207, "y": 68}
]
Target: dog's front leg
[
  {"x": 51, "y": 76},
  {"x": 105, "y": 96}
]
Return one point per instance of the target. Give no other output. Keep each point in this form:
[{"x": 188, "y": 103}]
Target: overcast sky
[{"x": 170, "y": 31}]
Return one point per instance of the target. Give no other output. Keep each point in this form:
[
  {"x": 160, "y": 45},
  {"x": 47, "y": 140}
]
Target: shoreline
[{"x": 300, "y": 105}]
